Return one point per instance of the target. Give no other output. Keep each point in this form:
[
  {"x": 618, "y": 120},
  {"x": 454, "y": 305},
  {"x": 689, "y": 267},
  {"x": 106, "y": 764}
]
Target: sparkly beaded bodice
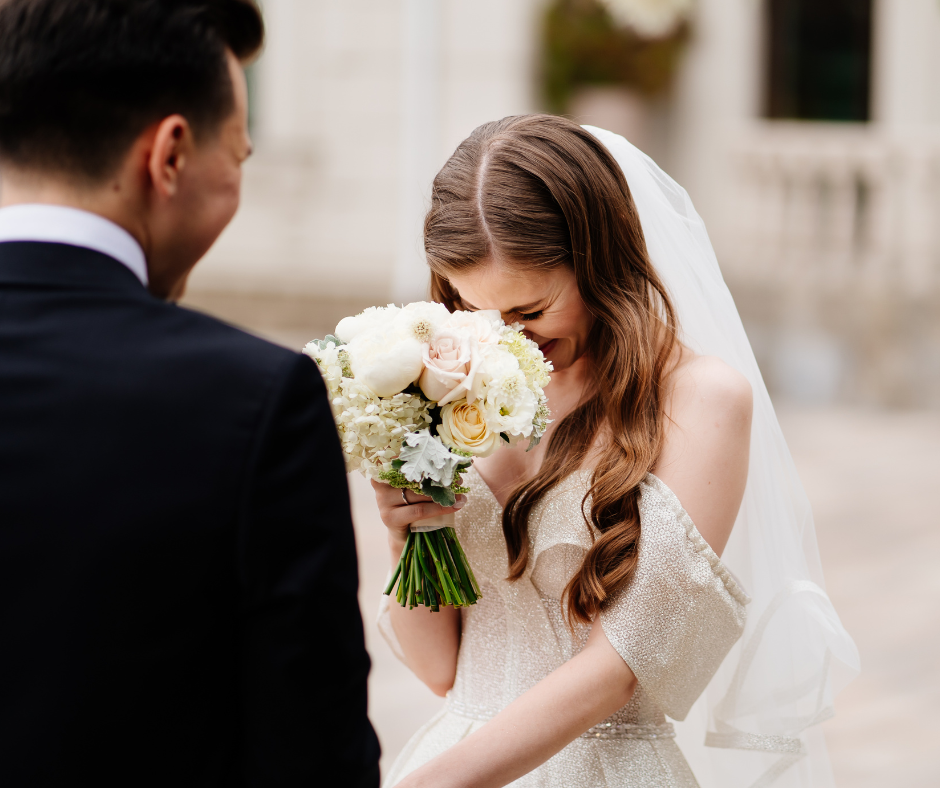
[
  {"x": 673, "y": 625},
  {"x": 516, "y": 635}
]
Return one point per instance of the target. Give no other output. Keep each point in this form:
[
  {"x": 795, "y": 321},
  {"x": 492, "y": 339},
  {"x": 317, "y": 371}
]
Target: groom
[{"x": 177, "y": 566}]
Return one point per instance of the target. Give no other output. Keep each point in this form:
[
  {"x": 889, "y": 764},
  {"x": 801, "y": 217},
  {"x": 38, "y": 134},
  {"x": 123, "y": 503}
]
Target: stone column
[{"x": 419, "y": 143}]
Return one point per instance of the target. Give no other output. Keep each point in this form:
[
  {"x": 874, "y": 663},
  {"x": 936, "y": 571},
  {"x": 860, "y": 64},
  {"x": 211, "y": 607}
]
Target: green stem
[
  {"x": 443, "y": 579},
  {"x": 414, "y": 580},
  {"x": 436, "y": 558},
  {"x": 463, "y": 558},
  {"x": 464, "y": 580},
  {"x": 452, "y": 571},
  {"x": 403, "y": 580},
  {"x": 425, "y": 544},
  {"x": 397, "y": 573}
]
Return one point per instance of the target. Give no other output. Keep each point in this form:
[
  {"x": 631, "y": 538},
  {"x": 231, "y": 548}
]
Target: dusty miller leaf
[
  {"x": 427, "y": 459},
  {"x": 322, "y": 343}
]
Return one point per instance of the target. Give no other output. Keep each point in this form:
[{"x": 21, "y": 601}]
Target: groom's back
[
  {"x": 125, "y": 435},
  {"x": 130, "y": 437},
  {"x": 178, "y": 579}
]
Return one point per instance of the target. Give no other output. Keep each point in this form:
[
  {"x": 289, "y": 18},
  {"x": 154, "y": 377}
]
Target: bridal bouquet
[{"x": 417, "y": 393}]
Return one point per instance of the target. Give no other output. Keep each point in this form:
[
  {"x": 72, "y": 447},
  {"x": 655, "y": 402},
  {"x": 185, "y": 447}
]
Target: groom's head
[{"x": 136, "y": 109}]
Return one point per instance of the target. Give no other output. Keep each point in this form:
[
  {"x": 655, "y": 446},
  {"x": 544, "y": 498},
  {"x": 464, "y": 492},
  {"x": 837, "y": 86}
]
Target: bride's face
[{"x": 547, "y": 303}]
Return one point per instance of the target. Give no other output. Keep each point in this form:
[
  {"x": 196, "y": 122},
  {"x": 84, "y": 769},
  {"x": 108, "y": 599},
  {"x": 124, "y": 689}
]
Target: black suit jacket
[{"x": 177, "y": 564}]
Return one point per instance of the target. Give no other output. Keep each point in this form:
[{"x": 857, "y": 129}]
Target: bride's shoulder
[
  {"x": 707, "y": 384},
  {"x": 707, "y": 432}
]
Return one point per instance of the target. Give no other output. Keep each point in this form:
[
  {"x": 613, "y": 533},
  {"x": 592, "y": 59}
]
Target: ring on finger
[{"x": 405, "y": 498}]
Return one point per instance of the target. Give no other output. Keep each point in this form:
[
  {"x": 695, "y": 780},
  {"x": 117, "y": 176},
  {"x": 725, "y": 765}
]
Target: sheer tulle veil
[{"x": 757, "y": 724}]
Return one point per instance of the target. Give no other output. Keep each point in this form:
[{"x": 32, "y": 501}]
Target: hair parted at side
[
  {"x": 81, "y": 79},
  {"x": 537, "y": 192}
]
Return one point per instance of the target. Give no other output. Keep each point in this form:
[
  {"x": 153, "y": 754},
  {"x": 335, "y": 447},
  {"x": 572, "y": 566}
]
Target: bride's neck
[{"x": 569, "y": 387}]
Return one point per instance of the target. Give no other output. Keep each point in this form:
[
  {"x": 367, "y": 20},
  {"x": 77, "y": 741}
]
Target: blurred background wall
[{"x": 806, "y": 131}]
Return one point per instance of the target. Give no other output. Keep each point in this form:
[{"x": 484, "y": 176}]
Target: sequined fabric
[{"x": 673, "y": 626}]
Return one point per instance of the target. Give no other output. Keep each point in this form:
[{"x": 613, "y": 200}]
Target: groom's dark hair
[{"x": 81, "y": 79}]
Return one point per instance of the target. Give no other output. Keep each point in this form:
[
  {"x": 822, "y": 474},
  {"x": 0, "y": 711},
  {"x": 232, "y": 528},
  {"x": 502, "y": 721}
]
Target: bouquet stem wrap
[{"x": 433, "y": 570}]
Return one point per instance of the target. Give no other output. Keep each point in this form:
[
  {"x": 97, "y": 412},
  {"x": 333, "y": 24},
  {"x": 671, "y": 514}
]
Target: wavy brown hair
[{"x": 538, "y": 192}]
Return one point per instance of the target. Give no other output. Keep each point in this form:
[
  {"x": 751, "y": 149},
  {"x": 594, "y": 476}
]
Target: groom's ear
[{"x": 173, "y": 144}]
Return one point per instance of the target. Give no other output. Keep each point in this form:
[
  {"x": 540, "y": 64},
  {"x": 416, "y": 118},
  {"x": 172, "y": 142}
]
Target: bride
[{"x": 605, "y": 554}]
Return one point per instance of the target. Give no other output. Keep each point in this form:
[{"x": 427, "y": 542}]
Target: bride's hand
[{"x": 398, "y": 515}]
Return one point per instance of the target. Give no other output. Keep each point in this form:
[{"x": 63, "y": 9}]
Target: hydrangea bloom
[{"x": 371, "y": 428}]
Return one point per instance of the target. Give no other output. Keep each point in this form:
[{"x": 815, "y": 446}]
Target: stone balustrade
[{"x": 831, "y": 205}]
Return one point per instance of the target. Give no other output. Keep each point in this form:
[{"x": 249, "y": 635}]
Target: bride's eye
[{"x": 530, "y": 316}]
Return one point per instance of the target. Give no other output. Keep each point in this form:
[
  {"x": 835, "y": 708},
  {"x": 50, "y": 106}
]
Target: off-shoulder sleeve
[{"x": 682, "y": 611}]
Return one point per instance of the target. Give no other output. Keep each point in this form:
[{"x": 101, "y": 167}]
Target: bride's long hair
[{"x": 538, "y": 192}]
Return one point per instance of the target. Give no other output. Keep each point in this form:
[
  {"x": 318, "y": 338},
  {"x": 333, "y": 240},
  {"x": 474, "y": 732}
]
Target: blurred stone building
[{"x": 806, "y": 131}]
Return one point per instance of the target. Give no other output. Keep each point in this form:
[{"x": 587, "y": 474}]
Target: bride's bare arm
[
  {"x": 707, "y": 444},
  {"x": 429, "y": 640},
  {"x": 581, "y": 693}
]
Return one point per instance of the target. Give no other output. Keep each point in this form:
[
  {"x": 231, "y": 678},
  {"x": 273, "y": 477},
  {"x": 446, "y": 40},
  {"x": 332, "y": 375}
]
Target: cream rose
[{"x": 463, "y": 426}]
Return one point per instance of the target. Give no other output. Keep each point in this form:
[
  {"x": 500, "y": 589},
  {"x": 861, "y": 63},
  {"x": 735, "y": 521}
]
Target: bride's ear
[{"x": 172, "y": 145}]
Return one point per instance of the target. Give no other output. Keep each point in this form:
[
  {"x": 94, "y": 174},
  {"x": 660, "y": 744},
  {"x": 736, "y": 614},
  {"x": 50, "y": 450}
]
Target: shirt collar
[{"x": 60, "y": 224}]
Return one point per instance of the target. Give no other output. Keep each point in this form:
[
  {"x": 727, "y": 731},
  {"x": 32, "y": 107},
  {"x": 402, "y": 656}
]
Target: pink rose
[{"x": 450, "y": 362}]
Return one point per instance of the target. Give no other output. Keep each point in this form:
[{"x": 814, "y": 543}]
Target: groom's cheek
[{"x": 217, "y": 193}]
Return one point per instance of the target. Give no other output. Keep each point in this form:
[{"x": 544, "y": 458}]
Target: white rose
[
  {"x": 386, "y": 359},
  {"x": 373, "y": 318},
  {"x": 510, "y": 405},
  {"x": 496, "y": 362},
  {"x": 463, "y": 426}
]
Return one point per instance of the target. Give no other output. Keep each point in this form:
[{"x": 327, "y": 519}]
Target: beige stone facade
[{"x": 828, "y": 234}]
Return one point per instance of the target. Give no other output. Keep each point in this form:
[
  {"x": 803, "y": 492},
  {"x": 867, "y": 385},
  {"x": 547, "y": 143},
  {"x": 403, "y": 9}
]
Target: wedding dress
[
  {"x": 760, "y": 684},
  {"x": 673, "y": 625}
]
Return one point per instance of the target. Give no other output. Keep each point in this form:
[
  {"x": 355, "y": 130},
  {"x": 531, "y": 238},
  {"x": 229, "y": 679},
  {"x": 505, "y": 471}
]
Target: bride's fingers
[
  {"x": 401, "y": 515},
  {"x": 398, "y": 515},
  {"x": 413, "y": 497}
]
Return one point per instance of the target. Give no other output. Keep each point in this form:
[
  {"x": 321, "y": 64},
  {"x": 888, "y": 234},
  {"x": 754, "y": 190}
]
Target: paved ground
[{"x": 872, "y": 477}]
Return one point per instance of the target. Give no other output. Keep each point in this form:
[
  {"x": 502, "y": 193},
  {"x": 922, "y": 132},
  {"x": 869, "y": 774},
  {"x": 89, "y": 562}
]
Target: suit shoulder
[{"x": 222, "y": 343}]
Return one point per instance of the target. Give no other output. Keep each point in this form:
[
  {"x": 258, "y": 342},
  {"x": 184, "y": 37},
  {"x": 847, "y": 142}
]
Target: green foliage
[
  {"x": 582, "y": 45},
  {"x": 445, "y": 496},
  {"x": 441, "y": 495},
  {"x": 395, "y": 478}
]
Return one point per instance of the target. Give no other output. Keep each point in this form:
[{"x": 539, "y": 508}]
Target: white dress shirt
[{"x": 58, "y": 224}]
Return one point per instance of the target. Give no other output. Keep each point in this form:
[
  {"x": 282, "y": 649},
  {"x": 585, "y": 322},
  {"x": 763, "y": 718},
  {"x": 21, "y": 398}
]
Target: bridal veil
[{"x": 756, "y": 725}]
